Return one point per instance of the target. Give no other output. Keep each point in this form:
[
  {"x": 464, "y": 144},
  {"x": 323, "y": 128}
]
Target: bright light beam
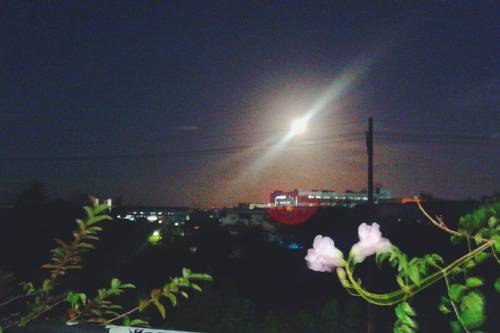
[
  {"x": 299, "y": 126},
  {"x": 334, "y": 92}
]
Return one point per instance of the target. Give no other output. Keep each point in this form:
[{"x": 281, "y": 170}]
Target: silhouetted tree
[{"x": 32, "y": 196}]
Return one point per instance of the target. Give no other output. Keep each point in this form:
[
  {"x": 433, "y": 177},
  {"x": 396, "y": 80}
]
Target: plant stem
[
  {"x": 13, "y": 299},
  {"x": 453, "y": 304},
  {"x": 50, "y": 307},
  {"x": 441, "y": 225},
  {"x": 124, "y": 314},
  {"x": 397, "y": 296}
]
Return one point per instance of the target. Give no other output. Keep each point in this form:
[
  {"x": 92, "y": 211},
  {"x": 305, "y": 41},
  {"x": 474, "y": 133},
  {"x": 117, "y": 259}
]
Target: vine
[{"x": 463, "y": 300}]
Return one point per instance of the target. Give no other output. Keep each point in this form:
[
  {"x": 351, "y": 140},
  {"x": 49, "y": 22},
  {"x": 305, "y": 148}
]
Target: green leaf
[
  {"x": 492, "y": 221},
  {"x": 101, "y": 293},
  {"x": 381, "y": 256},
  {"x": 137, "y": 322},
  {"x": 437, "y": 258},
  {"x": 86, "y": 246},
  {"x": 196, "y": 287},
  {"x": 403, "y": 316},
  {"x": 160, "y": 308},
  {"x": 414, "y": 274},
  {"x": 478, "y": 236},
  {"x": 97, "y": 312},
  {"x": 97, "y": 219},
  {"x": 497, "y": 285},
  {"x": 81, "y": 224},
  {"x": 469, "y": 264},
  {"x": 408, "y": 309},
  {"x": 182, "y": 282},
  {"x": 127, "y": 285},
  {"x": 89, "y": 211},
  {"x": 185, "y": 272},
  {"x": 95, "y": 229},
  {"x": 57, "y": 250},
  {"x": 456, "y": 327},
  {"x": 473, "y": 301},
  {"x": 473, "y": 282},
  {"x": 171, "y": 297},
  {"x": 400, "y": 281},
  {"x": 410, "y": 322},
  {"x": 73, "y": 299},
  {"x": 444, "y": 309},
  {"x": 201, "y": 277},
  {"x": 403, "y": 263},
  {"x": 472, "y": 319},
  {"x": 456, "y": 291},
  {"x": 100, "y": 208},
  {"x": 28, "y": 287},
  {"x": 72, "y": 267},
  {"x": 422, "y": 266},
  {"x": 83, "y": 298},
  {"x": 402, "y": 328},
  {"x": 111, "y": 312},
  {"x": 115, "y": 283},
  {"x": 457, "y": 270},
  {"x": 481, "y": 257},
  {"x": 47, "y": 285}
]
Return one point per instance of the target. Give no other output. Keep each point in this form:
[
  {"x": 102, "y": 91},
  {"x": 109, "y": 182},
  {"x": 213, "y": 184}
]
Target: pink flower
[
  {"x": 324, "y": 256},
  {"x": 370, "y": 242}
]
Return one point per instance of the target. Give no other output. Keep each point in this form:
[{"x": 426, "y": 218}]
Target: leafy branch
[
  {"x": 68, "y": 256},
  {"x": 65, "y": 257},
  {"x": 171, "y": 291},
  {"x": 99, "y": 309}
]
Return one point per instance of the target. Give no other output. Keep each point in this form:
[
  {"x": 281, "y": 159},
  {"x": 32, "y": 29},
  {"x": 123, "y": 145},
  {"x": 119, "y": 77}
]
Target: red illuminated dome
[{"x": 291, "y": 215}]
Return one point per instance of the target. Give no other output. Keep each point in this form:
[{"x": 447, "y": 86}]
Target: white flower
[
  {"x": 370, "y": 242},
  {"x": 324, "y": 256}
]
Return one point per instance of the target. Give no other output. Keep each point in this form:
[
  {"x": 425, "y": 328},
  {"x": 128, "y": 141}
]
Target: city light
[
  {"x": 155, "y": 238},
  {"x": 152, "y": 218}
]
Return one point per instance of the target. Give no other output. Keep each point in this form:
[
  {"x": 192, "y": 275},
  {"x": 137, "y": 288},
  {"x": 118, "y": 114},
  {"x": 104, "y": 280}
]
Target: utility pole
[
  {"x": 369, "y": 147},
  {"x": 370, "y": 318}
]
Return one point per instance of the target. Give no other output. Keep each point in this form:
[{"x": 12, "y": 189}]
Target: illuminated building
[{"x": 326, "y": 198}]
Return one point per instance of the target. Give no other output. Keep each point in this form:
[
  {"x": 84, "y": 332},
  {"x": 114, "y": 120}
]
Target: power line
[
  {"x": 435, "y": 138},
  {"x": 184, "y": 153},
  {"x": 382, "y": 137},
  {"x": 176, "y": 134}
]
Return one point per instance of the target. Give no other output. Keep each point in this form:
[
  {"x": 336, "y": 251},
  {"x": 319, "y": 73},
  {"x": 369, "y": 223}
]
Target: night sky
[{"x": 185, "y": 103}]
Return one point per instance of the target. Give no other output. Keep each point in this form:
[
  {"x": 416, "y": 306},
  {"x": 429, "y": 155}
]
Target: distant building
[
  {"x": 153, "y": 214},
  {"x": 282, "y": 198},
  {"x": 255, "y": 205},
  {"x": 327, "y": 198}
]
